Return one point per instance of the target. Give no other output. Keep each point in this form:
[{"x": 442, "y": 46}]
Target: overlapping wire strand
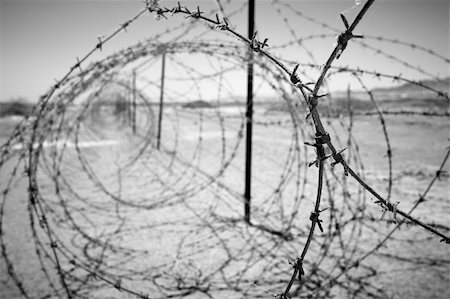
[{"x": 108, "y": 212}]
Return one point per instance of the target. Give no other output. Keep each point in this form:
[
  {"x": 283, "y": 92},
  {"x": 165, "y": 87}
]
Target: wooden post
[
  {"x": 249, "y": 116},
  {"x": 134, "y": 103},
  {"x": 128, "y": 100},
  {"x": 161, "y": 100}
]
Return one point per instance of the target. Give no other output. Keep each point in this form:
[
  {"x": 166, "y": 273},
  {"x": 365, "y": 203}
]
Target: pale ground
[{"x": 171, "y": 233}]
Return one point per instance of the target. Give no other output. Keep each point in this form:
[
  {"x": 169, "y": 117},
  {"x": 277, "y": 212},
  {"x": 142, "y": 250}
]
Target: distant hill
[
  {"x": 15, "y": 108},
  {"x": 197, "y": 104},
  {"x": 440, "y": 85},
  {"x": 404, "y": 97}
]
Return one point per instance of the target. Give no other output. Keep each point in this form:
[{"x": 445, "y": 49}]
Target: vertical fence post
[
  {"x": 134, "y": 102},
  {"x": 161, "y": 99},
  {"x": 249, "y": 115},
  {"x": 128, "y": 105}
]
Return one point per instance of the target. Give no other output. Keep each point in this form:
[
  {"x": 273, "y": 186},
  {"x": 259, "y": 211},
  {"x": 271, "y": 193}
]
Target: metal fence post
[
  {"x": 134, "y": 103},
  {"x": 249, "y": 116},
  {"x": 161, "y": 100}
]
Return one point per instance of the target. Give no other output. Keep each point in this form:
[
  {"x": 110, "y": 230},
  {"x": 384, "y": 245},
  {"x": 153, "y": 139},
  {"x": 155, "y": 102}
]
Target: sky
[{"x": 40, "y": 40}]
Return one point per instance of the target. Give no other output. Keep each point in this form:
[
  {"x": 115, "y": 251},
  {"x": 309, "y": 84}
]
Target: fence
[{"x": 161, "y": 215}]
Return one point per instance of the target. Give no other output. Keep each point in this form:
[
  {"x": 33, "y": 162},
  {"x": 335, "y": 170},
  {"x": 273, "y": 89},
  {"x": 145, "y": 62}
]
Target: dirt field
[{"x": 168, "y": 222}]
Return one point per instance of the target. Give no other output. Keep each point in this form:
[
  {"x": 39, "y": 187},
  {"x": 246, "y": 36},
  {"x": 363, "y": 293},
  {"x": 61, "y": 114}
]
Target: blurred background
[{"x": 40, "y": 40}]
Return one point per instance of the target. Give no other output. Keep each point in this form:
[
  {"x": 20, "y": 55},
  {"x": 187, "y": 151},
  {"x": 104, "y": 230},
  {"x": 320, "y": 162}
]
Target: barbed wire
[{"x": 91, "y": 211}]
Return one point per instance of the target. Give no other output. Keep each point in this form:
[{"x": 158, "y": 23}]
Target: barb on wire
[{"x": 345, "y": 37}]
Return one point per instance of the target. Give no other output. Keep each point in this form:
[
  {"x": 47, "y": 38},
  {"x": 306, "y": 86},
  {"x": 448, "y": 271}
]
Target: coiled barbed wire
[{"x": 108, "y": 212}]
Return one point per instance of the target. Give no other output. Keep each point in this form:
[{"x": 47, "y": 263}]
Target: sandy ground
[{"x": 170, "y": 216}]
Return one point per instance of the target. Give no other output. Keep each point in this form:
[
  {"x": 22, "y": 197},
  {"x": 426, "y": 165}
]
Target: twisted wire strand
[{"x": 178, "y": 231}]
